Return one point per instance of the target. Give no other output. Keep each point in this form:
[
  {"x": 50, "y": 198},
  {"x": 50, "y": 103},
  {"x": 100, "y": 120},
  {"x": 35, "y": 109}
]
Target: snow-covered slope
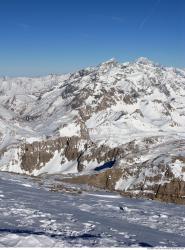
[
  {"x": 125, "y": 115},
  {"x": 31, "y": 216}
]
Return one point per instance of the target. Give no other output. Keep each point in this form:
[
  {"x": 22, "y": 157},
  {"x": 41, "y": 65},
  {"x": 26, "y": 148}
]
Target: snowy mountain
[{"x": 119, "y": 126}]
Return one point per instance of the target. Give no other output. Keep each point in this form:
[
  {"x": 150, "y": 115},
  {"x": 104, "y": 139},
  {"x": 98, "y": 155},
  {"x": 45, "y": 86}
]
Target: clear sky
[{"x": 38, "y": 37}]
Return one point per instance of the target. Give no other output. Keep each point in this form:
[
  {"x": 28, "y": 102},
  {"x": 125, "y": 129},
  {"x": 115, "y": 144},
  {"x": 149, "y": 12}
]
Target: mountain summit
[{"x": 144, "y": 60}]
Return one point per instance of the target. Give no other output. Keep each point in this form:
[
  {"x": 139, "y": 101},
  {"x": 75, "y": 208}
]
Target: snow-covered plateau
[{"x": 116, "y": 126}]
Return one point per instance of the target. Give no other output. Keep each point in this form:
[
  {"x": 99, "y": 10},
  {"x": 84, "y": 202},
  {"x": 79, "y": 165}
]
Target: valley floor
[{"x": 32, "y": 216}]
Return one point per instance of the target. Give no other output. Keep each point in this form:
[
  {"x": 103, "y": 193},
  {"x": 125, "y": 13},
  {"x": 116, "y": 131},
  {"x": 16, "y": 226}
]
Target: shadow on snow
[
  {"x": 106, "y": 165},
  {"x": 52, "y": 235}
]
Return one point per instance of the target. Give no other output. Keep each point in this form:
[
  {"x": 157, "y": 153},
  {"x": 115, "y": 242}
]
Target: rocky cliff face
[{"x": 116, "y": 126}]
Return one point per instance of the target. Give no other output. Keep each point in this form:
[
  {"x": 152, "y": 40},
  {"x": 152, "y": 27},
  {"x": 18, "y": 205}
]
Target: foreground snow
[{"x": 31, "y": 216}]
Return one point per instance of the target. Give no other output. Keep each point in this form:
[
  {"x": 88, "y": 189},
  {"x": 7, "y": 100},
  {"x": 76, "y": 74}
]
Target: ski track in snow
[{"x": 31, "y": 216}]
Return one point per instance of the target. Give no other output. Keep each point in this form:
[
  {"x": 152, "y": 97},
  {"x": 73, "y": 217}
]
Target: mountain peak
[
  {"x": 144, "y": 60},
  {"x": 109, "y": 63}
]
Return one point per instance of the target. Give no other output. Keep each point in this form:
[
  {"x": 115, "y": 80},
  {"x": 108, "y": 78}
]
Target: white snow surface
[
  {"x": 32, "y": 216},
  {"x": 55, "y": 166},
  {"x": 70, "y": 130}
]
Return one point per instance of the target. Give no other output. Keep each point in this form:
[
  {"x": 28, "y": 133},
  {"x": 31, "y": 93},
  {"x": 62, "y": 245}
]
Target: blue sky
[{"x": 38, "y": 37}]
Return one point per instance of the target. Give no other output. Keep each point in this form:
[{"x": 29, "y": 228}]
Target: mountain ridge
[{"x": 129, "y": 113}]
